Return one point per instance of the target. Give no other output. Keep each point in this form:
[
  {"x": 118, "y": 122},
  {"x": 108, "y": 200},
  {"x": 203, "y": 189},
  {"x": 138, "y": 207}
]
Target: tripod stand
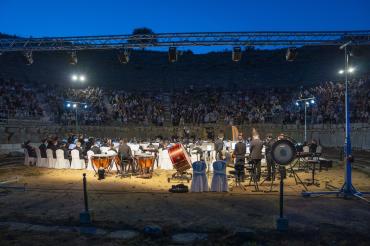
[{"x": 272, "y": 180}]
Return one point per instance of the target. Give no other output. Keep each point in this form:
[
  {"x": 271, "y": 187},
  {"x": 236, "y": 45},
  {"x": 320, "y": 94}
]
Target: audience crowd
[{"x": 96, "y": 106}]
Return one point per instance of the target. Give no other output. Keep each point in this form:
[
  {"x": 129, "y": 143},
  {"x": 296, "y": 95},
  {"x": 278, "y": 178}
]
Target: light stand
[
  {"x": 306, "y": 102},
  {"x": 75, "y": 105},
  {"x": 347, "y": 190}
]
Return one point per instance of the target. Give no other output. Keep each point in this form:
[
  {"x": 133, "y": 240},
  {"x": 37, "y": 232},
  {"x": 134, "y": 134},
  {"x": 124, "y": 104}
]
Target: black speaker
[
  {"x": 172, "y": 54},
  {"x": 237, "y": 54}
]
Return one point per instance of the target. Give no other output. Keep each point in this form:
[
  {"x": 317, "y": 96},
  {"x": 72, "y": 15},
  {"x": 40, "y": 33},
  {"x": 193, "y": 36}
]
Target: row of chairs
[
  {"x": 199, "y": 182},
  {"x": 59, "y": 162}
]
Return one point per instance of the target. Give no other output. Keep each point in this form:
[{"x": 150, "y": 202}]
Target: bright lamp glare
[
  {"x": 307, "y": 103},
  {"x": 312, "y": 101},
  {"x": 74, "y": 105},
  {"x": 82, "y": 78},
  {"x": 297, "y": 103},
  {"x": 85, "y": 106},
  {"x": 74, "y": 77},
  {"x": 68, "y": 105},
  {"x": 351, "y": 69},
  {"x": 341, "y": 71}
]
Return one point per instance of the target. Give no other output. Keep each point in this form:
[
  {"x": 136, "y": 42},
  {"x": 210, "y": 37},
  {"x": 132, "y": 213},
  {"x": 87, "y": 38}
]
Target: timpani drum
[
  {"x": 145, "y": 163},
  {"x": 102, "y": 161}
]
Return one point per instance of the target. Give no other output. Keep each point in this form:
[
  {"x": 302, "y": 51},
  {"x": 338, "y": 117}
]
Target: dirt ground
[{"x": 55, "y": 197}]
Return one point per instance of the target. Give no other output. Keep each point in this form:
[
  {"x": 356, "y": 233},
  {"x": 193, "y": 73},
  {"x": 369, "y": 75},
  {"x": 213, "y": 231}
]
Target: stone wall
[{"x": 329, "y": 135}]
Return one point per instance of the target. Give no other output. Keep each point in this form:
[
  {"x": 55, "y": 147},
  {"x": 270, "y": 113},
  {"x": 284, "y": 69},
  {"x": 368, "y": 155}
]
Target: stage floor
[{"x": 55, "y": 196}]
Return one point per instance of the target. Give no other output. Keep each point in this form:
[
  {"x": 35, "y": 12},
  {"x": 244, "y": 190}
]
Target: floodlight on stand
[
  {"x": 341, "y": 71},
  {"x": 172, "y": 54},
  {"x": 291, "y": 54},
  {"x": 29, "y": 57},
  {"x": 74, "y": 105},
  {"x": 312, "y": 101},
  {"x": 307, "y": 103},
  {"x": 73, "y": 58},
  {"x": 236, "y": 54},
  {"x": 68, "y": 105},
  {"x": 82, "y": 78},
  {"x": 351, "y": 69},
  {"x": 74, "y": 77},
  {"x": 85, "y": 106},
  {"x": 297, "y": 103}
]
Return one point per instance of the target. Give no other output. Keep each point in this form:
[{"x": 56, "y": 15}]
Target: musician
[
  {"x": 239, "y": 153},
  {"x": 66, "y": 151},
  {"x": 313, "y": 146},
  {"x": 124, "y": 150},
  {"x": 112, "y": 148},
  {"x": 53, "y": 145},
  {"x": 270, "y": 163},
  {"x": 42, "y": 148},
  {"x": 256, "y": 146},
  {"x": 219, "y": 145},
  {"x": 31, "y": 150},
  {"x": 95, "y": 148},
  {"x": 80, "y": 150}
]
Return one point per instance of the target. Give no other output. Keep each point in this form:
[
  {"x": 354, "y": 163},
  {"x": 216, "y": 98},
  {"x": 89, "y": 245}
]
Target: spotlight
[
  {"x": 341, "y": 71},
  {"x": 312, "y": 101},
  {"x": 82, "y": 78},
  {"x": 291, "y": 54},
  {"x": 124, "y": 57},
  {"x": 307, "y": 103},
  {"x": 74, "y": 105},
  {"x": 237, "y": 54},
  {"x": 351, "y": 69},
  {"x": 74, "y": 77},
  {"x": 172, "y": 54},
  {"x": 73, "y": 58},
  {"x": 68, "y": 105},
  {"x": 85, "y": 106},
  {"x": 297, "y": 103},
  {"x": 29, "y": 57}
]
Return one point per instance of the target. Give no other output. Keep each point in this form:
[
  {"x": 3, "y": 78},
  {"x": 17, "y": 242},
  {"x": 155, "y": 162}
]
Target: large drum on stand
[
  {"x": 181, "y": 162},
  {"x": 145, "y": 163},
  {"x": 102, "y": 163}
]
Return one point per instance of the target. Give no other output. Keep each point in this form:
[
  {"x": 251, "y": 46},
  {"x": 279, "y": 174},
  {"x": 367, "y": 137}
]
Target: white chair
[
  {"x": 165, "y": 160},
  {"x": 41, "y": 162},
  {"x": 219, "y": 179},
  {"x": 89, "y": 163},
  {"x": 50, "y": 159},
  {"x": 199, "y": 183},
  {"x": 61, "y": 163},
  {"x": 28, "y": 161},
  {"x": 76, "y": 162}
]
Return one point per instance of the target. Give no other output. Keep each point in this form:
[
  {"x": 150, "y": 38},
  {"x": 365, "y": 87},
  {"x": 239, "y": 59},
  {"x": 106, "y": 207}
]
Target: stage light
[
  {"x": 297, "y": 103},
  {"x": 73, "y": 58},
  {"x": 74, "y": 105},
  {"x": 307, "y": 103},
  {"x": 85, "y": 106},
  {"x": 312, "y": 101},
  {"x": 351, "y": 69},
  {"x": 172, "y": 54},
  {"x": 29, "y": 57},
  {"x": 82, "y": 78},
  {"x": 291, "y": 54},
  {"x": 341, "y": 71},
  {"x": 68, "y": 105},
  {"x": 74, "y": 77},
  {"x": 237, "y": 54}
]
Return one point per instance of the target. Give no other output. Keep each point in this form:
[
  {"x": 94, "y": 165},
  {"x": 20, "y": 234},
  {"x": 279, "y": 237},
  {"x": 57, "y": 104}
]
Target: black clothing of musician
[
  {"x": 269, "y": 161},
  {"x": 42, "y": 148},
  {"x": 31, "y": 151},
  {"x": 125, "y": 151},
  {"x": 80, "y": 152},
  {"x": 95, "y": 149},
  {"x": 219, "y": 145},
  {"x": 256, "y": 146},
  {"x": 239, "y": 152}
]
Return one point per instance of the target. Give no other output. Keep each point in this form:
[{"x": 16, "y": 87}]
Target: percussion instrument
[
  {"x": 179, "y": 158},
  {"x": 283, "y": 151},
  {"x": 145, "y": 163},
  {"x": 102, "y": 161}
]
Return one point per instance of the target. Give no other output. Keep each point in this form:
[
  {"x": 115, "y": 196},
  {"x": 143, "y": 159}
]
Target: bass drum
[
  {"x": 283, "y": 151},
  {"x": 179, "y": 158}
]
